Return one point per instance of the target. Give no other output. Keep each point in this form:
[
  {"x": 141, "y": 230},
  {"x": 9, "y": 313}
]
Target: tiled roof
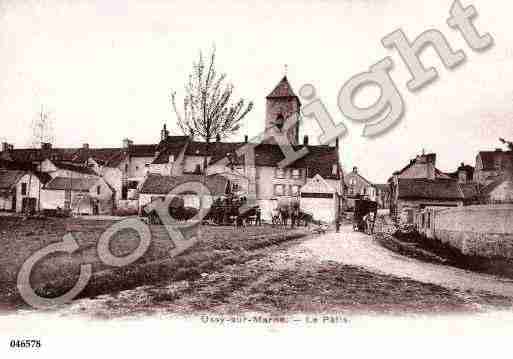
[
  {"x": 8, "y": 178},
  {"x": 76, "y": 184},
  {"x": 147, "y": 150},
  {"x": 439, "y": 189},
  {"x": 222, "y": 149},
  {"x": 100, "y": 155},
  {"x": 157, "y": 184},
  {"x": 283, "y": 89},
  {"x": 488, "y": 159},
  {"x": 467, "y": 168},
  {"x": 318, "y": 160},
  {"x": 38, "y": 154},
  {"x": 73, "y": 167},
  {"x": 17, "y": 165},
  {"x": 116, "y": 159},
  {"x": 173, "y": 145},
  {"x": 43, "y": 177}
]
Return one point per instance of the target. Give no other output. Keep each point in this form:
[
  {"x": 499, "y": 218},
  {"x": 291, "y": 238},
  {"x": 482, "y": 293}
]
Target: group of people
[{"x": 282, "y": 215}]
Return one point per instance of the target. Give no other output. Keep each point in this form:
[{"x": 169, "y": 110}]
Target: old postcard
[{"x": 194, "y": 177}]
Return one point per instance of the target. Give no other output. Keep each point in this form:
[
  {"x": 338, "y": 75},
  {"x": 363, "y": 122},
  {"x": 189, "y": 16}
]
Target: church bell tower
[{"x": 281, "y": 104}]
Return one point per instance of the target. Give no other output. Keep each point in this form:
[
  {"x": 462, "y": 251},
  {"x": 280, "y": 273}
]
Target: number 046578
[{"x": 25, "y": 343}]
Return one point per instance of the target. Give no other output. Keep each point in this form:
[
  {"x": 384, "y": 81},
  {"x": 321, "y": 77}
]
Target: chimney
[
  {"x": 85, "y": 146},
  {"x": 336, "y": 142},
  {"x": 46, "y": 146},
  {"x": 355, "y": 169},
  {"x": 5, "y": 147},
  {"x": 305, "y": 140},
  {"x": 462, "y": 173},
  {"x": 245, "y": 138},
  {"x": 164, "y": 133},
  {"x": 127, "y": 142}
]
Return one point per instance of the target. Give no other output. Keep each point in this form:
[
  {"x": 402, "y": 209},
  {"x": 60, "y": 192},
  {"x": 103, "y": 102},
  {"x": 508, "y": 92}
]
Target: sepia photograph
[{"x": 318, "y": 178}]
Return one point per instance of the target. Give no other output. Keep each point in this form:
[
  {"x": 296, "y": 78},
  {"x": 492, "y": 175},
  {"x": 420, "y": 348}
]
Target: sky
[{"x": 105, "y": 70}]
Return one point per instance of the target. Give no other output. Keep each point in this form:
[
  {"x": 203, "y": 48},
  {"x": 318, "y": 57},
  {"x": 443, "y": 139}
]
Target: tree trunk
[{"x": 205, "y": 161}]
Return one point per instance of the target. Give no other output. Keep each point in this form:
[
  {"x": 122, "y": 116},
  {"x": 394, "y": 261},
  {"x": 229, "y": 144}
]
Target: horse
[{"x": 275, "y": 217}]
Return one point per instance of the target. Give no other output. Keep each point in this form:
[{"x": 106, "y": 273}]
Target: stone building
[
  {"x": 20, "y": 190},
  {"x": 420, "y": 184},
  {"x": 490, "y": 165},
  {"x": 282, "y": 105},
  {"x": 125, "y": 169},
  {"x": 358, "y": 187}
]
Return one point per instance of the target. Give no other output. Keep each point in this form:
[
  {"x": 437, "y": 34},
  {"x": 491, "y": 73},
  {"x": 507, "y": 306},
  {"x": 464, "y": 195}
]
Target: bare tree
[
  {"x": 42, "y": 128},
  {"x": 42, "y": 132},
  {"x": 507, "y": 143},
  {"x": 208, "y": 112}
]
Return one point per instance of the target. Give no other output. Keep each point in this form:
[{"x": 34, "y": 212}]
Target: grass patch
[{"x": 56, "y": 274}]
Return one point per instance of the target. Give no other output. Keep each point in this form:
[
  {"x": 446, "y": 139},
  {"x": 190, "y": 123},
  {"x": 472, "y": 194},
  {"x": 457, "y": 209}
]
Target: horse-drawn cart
[{"x": 365, "y": 214}]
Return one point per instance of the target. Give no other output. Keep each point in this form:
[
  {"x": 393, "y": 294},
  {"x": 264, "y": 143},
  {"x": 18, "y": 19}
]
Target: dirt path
[{"x": 358, "y": 249}]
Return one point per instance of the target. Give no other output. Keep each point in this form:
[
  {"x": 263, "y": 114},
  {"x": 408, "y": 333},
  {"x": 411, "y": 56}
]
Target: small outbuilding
[
  {"x": 90, "y": 195},
  {"x": 20, "y": 190}
]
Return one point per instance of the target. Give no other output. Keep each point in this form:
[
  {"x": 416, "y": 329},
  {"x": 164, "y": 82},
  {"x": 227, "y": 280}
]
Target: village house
[
  {"x": 20, "y": 190},
  {"x": 315, "y": 181},
  {"x": 490, "y": 165},
  {"x": 383, "y": 195},
  {"x": 157, "y": 186},
  {"x": 358, "y": 187},
  {"x": 126, "y": 169},
  {"x": 464, "y": 174},
  {"x": 84, "y": 195},
  {"x": 420, "y": 184}
]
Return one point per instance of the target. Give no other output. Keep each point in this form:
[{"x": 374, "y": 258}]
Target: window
[
  {"x": 23, "y": 189},
  {"x": 296, "y": 173},
  {"x": 280, "y": 173},
  {"x": 497, "y": 162},
  {"x": 98, "y": 190},
  {"x": 279, "y": 121},
  {"x": 351, "y": 186},
  {"x": 278, "y": 190},
  {"x": 171, "y": 158},
  {"x": 126, "y": 167},
  {"x": 294, "y": 190}
]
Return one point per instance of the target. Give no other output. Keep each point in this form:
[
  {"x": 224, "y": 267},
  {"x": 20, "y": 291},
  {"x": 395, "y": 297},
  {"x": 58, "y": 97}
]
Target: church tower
[{"x": 281, "y": 104}]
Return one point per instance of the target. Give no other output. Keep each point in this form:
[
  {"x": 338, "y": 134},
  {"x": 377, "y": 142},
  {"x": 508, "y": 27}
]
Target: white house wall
[
  {"x": 137, "y": 168},
  {"x": 52, "y": 199},
  {"x": 113, "y": 176},
  {"x": 6, "y": 202},
  {"x": 191, "y": 162},
  {"x": 33, "y": 186}
]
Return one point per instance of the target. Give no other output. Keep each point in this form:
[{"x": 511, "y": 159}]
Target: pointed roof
[{"x": 283, "y": 89}]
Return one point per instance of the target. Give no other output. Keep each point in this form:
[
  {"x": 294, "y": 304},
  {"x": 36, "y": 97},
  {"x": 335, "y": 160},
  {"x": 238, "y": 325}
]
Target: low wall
[{"x": 484, "y": 230}]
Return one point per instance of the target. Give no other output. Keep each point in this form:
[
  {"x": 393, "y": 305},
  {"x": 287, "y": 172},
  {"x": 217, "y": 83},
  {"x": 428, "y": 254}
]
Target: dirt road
[{"x": 358, "y": 249}]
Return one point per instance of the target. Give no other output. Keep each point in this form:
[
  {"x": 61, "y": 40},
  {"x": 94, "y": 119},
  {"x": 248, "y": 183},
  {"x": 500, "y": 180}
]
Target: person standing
[{"x": 258, "y": 220}]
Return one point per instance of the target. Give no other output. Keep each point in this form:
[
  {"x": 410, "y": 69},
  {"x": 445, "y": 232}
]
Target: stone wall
[{"x": 484, "y": 230}]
